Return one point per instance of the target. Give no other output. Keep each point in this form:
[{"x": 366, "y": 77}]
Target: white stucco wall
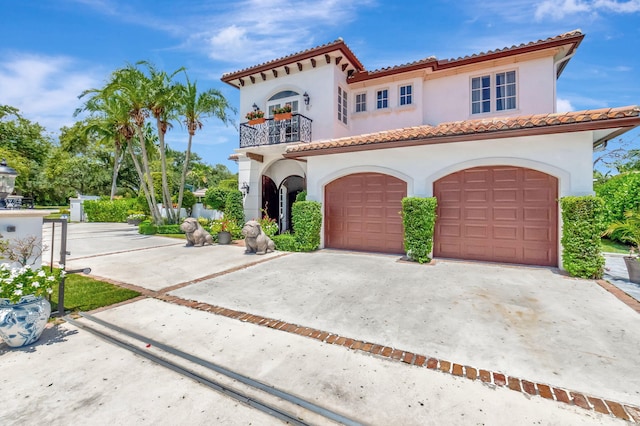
[
  {"x": 567, "y": 157},
  {"x": 317, "y": 82},
  {"x": 449, "y": 98}
]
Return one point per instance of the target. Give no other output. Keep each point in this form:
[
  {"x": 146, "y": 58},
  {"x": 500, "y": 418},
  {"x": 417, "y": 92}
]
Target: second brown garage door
[
  {"x": 362, "y": 212},
  {"x": 500, "y": 213}
]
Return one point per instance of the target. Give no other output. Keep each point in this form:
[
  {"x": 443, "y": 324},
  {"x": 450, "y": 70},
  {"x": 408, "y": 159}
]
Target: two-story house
[{"x": 480, "y": 133}]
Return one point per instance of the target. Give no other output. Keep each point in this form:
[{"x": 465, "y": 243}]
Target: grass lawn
[
  {"x": 178, "y": 236},
  {"x": 609, "y": 246},
  {"x": 83, "y": 293}
]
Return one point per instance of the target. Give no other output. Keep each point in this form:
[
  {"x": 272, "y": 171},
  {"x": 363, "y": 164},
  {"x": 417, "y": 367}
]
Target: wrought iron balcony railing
[{"x": 273, "y": 132}]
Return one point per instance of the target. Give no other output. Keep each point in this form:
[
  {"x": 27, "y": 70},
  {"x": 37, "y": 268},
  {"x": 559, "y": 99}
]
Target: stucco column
[{"x": 249, "y": 172}]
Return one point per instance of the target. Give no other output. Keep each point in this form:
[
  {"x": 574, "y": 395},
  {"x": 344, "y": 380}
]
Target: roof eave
[{"x": 626, "y": 123}]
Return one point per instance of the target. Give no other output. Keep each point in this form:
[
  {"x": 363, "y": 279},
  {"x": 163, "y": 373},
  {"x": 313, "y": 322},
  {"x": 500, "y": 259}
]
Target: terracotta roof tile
[
  {"x": 470, "y": 127},
  {"x": 574, "y": 36}
]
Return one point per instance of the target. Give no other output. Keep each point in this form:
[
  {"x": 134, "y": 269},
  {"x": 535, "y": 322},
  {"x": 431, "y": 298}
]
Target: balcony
[{"x": 273, "y": 132}]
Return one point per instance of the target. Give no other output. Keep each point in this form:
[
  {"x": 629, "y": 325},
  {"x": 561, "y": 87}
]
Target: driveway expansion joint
[{"x": 624, "y": 411}]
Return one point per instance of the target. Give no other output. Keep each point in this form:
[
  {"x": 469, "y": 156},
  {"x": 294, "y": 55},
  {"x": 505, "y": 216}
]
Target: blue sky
[{"x": 52, "y": 50}]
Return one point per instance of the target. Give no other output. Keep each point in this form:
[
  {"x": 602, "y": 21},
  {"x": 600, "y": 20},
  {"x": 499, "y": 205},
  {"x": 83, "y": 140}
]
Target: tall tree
[{"x": 195, "y": 107}]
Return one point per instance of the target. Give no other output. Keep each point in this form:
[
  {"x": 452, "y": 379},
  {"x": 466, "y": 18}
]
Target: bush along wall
[
  {"x": 582, "y": 227},
  {"x": 234, "y": 208},
  {"x": 418, "y": 219},
  {"x": 147, "y": 228},
  {"x": 109, "y": 211},
  {"x": 307, "y": 222}
]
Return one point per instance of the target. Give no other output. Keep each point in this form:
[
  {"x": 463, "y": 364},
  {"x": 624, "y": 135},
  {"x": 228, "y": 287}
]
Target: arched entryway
[
  {"x": 269, "y": 198},
  {"x": 497, "y": 213},
  {"x": 290, "y": 187},
  {"x": 362, "y": 212}
]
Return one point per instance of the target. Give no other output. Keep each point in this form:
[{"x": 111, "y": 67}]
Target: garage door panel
[
  {"x": 505, "y": 195},
  {"x": 505, "y": 232},
  {"x": 476, "y": 213},
  {"x": 475, "y": 196},
  {"x": 498, "y": 213},
  {"x": 452, "y": 213},
  {"x": 476, "y": 231},
  {"x": 505, "y": 213},
  {"x": 535, "y": 195},
  {"x": 367, "y": 206}
]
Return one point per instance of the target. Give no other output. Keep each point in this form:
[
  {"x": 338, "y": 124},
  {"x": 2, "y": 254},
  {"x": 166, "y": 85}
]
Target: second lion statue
[
  {"x": 255, "y": 240},
  {"x": 195, "y": 233}
]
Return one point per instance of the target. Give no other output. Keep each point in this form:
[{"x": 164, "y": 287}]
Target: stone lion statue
[
  {"x": 196, "y": 235},
  {"x": 255, "y": 240}
]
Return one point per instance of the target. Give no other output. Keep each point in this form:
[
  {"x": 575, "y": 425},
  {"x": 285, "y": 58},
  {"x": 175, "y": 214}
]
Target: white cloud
[
  {"x": 265, "y": 29},
  {"x": 559, "y": 9},
  {"x": 563, "y": 105},
  {"x": 44, "y": 88}
]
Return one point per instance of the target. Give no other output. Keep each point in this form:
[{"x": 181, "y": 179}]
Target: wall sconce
[
  {"x": 245, "y": 188},
  {"x": 255, "y": 107},
  {"x": 306, "y": 98}
]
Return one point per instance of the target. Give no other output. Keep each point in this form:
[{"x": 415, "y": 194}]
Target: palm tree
[
  {"x": 112, "y": 125},
  {"x": 194, "y": 108},
  {"x": 163, "y": 101},
  {"x": 627, "y": 231}
]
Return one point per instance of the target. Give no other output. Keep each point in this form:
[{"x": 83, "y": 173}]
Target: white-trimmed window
[
  {"x": 361, "y": 102},
  {"x": 342, "y": 105},
  {"x": 382, "y": 99},
  {"x": 493, "y": 92},
  {"x": 406, "y": 94}
]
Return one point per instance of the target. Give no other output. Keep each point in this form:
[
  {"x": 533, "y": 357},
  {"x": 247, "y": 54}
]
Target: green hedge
[
  {"x": 285, "y": 242},
  {"x": 234, "y": 208},
  {"x": 147, "y": 228},
  {"x": 169, "y": 229},
  {"x": 418, "y": 219},
  {"x": 307, "y": 222},
  {"x": 620, "y": 194},
  {"x": 581, "y": 230},
  {"x": 109, "y": 211}
]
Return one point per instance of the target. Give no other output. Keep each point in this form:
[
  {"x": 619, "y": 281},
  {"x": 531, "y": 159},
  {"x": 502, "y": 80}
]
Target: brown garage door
[
  {"x": 362, "y": 213},
  {"x": 500, "y": 213}
]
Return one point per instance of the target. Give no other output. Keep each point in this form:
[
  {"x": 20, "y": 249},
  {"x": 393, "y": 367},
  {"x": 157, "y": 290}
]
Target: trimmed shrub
[
  {"x": 582, "y": 227},
  {"x": 215, "y": 198},
  {"x": 147, "y": 228},
  {"x": 418, "y": 219},
  {"x": 307, "y": 222},
  {"x": 285, "y": 242},
  {"x": 301, "y": 196},
  {"x": 234, "y": 208},
  {"x": 109, "y": 211},
  {"x": 188, "y": 200},
  {"x": 620, "y": 194},
  {"x": 169, "y": 229}
]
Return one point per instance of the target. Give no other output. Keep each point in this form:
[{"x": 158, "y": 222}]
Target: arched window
[{"x": 281, "y": 98}]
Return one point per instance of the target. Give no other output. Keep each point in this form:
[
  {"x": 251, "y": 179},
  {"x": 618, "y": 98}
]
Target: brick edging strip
[
  {"x": 621, "y": 295},
  {"x": 622, "y": 411}
]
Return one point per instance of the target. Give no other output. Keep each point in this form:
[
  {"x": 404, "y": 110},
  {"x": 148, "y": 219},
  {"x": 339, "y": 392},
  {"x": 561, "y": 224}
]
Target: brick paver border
[
  {"x": 619, "y": 410},
  {"x": 622, "y": 411}
]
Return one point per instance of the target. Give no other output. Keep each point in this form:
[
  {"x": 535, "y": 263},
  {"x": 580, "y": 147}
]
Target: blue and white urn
[{"x": 22, "y": 323}]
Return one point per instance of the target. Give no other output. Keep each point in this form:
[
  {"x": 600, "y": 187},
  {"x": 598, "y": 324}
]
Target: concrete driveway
[{"x": 533, "y": 325}]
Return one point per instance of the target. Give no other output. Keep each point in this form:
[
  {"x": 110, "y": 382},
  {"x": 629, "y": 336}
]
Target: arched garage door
[
  {"x": 362, "y": 213},
  {"x": 499, "y": 213}
]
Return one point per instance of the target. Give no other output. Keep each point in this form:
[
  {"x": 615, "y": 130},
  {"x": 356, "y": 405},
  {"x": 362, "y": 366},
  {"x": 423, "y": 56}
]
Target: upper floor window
[
  {"x": 361, "y": 102},
  {"x": 382, "y": 99},
  {"x": 406, "y": 95},
  {"x": 342, "y": 105},
  {"x": 493, "y": 92}
]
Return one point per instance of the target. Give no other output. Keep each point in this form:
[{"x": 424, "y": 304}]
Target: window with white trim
[
  {"x": 361, "y": 102},
  {"x": 406, "y": 95},
  {"x": 382, "y": 99},
  {"x": 493, "y": 92},
  {"x": 342, "y": 105}
]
